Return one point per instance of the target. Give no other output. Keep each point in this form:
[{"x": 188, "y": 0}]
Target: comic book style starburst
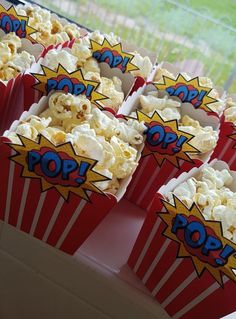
[
  {"x": 202, "y": 101},
  {"x": 65, "y": 151},
  {"x": 172, "y": 210}
]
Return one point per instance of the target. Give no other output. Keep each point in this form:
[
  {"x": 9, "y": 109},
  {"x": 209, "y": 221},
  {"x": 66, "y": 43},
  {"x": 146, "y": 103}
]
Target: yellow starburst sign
[
  {"x": 57, "y": 167},
  {"x": 165, "y": 141},
  {"x": 74, "y": 83},
  {"x": 11, "y": 21},
  {"x": 113, "y": 55},
  {"x": 188, "y": 91},
  {"x": 199, "y": 239}
]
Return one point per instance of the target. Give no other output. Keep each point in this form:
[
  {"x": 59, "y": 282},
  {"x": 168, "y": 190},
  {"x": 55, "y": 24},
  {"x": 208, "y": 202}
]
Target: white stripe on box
[
  {"x": 9, "y": 189},
  {"x": 147, "y": 244},
  {"x": 199, "y": 298},
  {"x": 53, "y": 218},
  {"x": 148, "y": 185},
  {"x": 179, "y": 289},
  {"x": 230, "y": 162},
  {"x": 137, "y": 178},
  {"x": 224, "y": 150},
  {"x": 37, "y": 212},
  {"x": 23, "y": 201},
  {"x": 72, "y": 221},
  {"x": 156, "y": 260},
  {"x": 167, "y": 275}
]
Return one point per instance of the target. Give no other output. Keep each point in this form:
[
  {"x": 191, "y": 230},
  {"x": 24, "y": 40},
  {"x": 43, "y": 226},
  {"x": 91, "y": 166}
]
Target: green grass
[
  {"x": 219, "y": 9},
  {"x": 213, "y": 44}
]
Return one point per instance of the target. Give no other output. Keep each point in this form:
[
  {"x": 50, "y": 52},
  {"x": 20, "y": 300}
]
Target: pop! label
[
  {"x": 200, "y": 239},
  {"x": 10, "y": 21},
  {"x": 114, "y": 55},
  {"x": 73, "y": 83},
  {"x": 188, "y": 91},
  {"x": 57, "y": 166},
  {"x": 165, "y": 141}
]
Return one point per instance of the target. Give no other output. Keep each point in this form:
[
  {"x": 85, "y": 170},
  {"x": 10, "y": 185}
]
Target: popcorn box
[
  {"x": 140, "y": 62},
  {"x": 56, "y": 212},
  {"x": 188, "y": 89},
  {"x": 12, "y": 91},
  {"x": 188, "y": 280},
  {"x": 225, "y": 149},
  {"x": 160, "y": 162},
  {"x": 37, "y": 81}
]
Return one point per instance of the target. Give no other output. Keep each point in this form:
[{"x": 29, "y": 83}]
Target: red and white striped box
[
  {"x": 62, "y": 223},
  {"x": 172, "y": 280},
  {"x": 150, "y": 176},
  {"x": 193, "y": 69},
  {"x": 12, "y": 92},
  {"x": 226, "y": 146},
  {"x": 130, "y": 84}
]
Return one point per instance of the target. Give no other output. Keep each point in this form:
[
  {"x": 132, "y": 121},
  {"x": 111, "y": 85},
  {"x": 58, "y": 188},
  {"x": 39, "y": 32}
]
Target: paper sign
[
  {"x": 74, "y": 83},
  {"x": 165, "y": 141},
  {"x": 200, "y": 239},
  {"x": 57, "y": 166},
  {"x": 113, "y": 55},
  {"x": 188, "y": 91},
  {"x": 11, "y": 21}
]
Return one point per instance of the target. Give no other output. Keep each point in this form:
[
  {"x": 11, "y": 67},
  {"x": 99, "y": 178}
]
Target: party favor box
[
  {"x": 48, "y": 191},
  {"x": 168, "y": 151},
  {"x": 183, "y": 259},
  {"x": 12, "y": 91}
]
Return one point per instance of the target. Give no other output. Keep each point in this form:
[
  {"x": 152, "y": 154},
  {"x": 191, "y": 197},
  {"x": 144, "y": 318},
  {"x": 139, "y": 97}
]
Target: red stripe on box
[
  {"x": 5, "y": 152},
  {"x": 15, "y": 103},
  {"x": 63, "y": 219},
  {"x": 49, "y": 205},
  {"x": 164, "y": 175},
  {"x": 141, "y": 180},
  {"x": 184, "y": 270},
  {"x": 17, "y": 192},
  {"x": 195, "y": 288},
  {"x": 145, "y": 231},
  {"x": 153, "y": 250},
  {"x": 91, "y": 215},
  {"x": 31, "y": 95},
  {"x": 218, "y": 304},
  {"x": 166, "y": 261},
  {"x": 31, "y": 205}
]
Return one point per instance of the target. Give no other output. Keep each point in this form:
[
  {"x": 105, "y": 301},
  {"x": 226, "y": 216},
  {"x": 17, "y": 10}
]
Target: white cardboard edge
[{"x": 38, "y": 108}]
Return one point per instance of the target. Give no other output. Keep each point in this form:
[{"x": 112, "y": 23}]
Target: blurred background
[{"x": 202, "y": 32}]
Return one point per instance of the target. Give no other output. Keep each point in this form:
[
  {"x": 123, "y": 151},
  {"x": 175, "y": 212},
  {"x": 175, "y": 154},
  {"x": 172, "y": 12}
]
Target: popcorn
[
  {"x": 99, "y": 37},
  {"x": 92, "y": 133},
  {"x": 73, "y": 59},
  {"x": 230, "y": 111},
  {"x": 211, "y": 192},
  {"x": 54, "y": 57},
  {"x": 49, "y": 29},
  {"x": 110, "y": 88},
  {"x": 205, "y": 138},
  {"x": 143, "y": 63},
  {"x": 12, "y": 61}
]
